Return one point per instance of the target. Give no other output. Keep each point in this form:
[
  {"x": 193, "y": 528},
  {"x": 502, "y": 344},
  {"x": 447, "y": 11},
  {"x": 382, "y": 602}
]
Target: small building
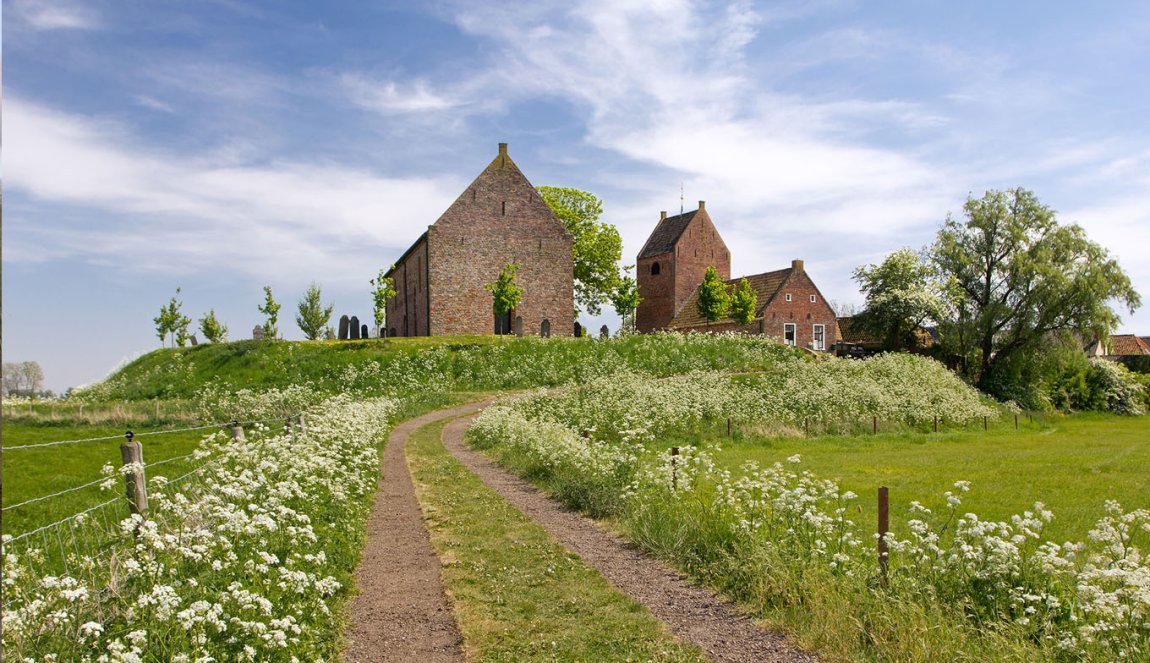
[
  {"x": 673, "y": 262},
  {"x": 499, "y": 219},
  {"x": 1128, "y": 349},
  {"x": 790, "y": 309}
]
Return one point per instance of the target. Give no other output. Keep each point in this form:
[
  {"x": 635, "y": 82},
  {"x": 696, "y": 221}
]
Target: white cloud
[
  {"x": 51, "y": 15},
  {"x": 178, "y": 213},
  {"x": 389, "y": 97}
]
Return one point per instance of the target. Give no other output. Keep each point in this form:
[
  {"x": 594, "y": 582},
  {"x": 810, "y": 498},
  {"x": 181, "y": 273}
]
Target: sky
[{"x": 221, "y": 146}]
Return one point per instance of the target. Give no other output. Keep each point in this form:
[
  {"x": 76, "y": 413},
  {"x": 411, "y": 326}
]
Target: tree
[
  {"x": 382, "y": 290},
  {"x": 313, "y": 317},
  {"x": 1013, "y": 275},
  {"x": 172, "y": 321},
  {"x": 744, "y": 303},
  {"x": 13, "y": 377},
  {"x": 212, "y": 329},
  {"x": 714, "y": 301},
  {"x": 625, "y": 299},
  {"x": 24, "y": 379},
  {"x": 505, "y": 291},
  {"x": 597, "y": 247},
  {"x": 272, "y": 310},
  {"x": 901, "y": 295}
]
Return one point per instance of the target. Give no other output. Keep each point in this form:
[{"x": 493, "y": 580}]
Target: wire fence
[{"x": 78, "y": 544}]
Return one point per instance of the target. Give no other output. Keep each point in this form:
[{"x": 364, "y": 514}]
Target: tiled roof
[
  {"x": 850, "y": 333},
  {"x": 1125, "y": 345},
  {"x": 765, "y": 286},
  {"x": 663, "y": 239}
]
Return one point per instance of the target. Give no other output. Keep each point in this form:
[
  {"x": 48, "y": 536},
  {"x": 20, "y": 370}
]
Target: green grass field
[
  {"x": 37, "y": 472},
  {"x": 1072, "y": 464}
]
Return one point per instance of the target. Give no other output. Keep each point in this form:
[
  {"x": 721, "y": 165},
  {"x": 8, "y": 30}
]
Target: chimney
[
  {"x": 662, "y": 215},
  {"x": 503, "y": 149},
  {"x": 702, "y": 204},
  {"x": 797, "y": 265}
]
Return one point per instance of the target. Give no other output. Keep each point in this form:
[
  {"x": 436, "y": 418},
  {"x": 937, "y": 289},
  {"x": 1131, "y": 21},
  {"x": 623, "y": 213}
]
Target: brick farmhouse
[
  {"x": 499, "y": 219},
  {"x": 671, "y": 266}
]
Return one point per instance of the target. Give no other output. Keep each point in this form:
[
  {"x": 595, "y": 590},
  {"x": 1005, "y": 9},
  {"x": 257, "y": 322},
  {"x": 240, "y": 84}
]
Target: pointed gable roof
[
  {"x": 663, "y": 238},
  {"x": 1126, "y": 345},
  {"x": 765, "y": 285}
]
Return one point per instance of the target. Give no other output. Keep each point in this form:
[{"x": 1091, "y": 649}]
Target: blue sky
[{"x": 223, "y": 146}]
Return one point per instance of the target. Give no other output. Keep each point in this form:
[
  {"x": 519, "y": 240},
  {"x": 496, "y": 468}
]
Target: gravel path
[
  {"x": 693, "y": 614},
  {"x": 401, "y": 613}
]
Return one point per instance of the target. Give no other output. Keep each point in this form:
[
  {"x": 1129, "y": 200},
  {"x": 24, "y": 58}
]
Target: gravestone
[
  {"x": 604, "y": 332},
  {"x": 258, "y": 333},
  {"x": 363, "y": 331},
  {"x": 343, "y": 325},
  {"x": 545, "y": 329},
  {"x": 518, "y": 325},
  {"x": 354, "y": 328},
  {"x": 578, "y": 330},
  {"x": 391, "y": 333},
  {"x": 195, "y": 341},
  {"x": 377, "y": 332}
]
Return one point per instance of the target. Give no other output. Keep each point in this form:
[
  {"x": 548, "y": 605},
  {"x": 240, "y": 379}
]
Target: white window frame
[
  {"x": 794, "y": 333},
  {"x": 788, "y": 296},
  {"x": 813, "y": 299},
  {"x": 819, "y": 337}
]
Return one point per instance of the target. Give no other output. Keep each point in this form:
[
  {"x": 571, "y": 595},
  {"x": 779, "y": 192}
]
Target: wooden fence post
[
  {"x": 132, "y": 451},
  {"x": 728, "y": 426},
  {"x": 936, "y": 423},
  {"x": 883, "y": 529},
  {"x": 237, "y": 431},
  {"x": 874, "y": 425},
  {"x": 302, "y": 426},
  {"x": 985, "y": 424},
  {"x": 1015, "y": 421},
  {"x": 674, "y": 468},
  {"x": 290, "y": 428},
  {"x": 807, "y": 426}
]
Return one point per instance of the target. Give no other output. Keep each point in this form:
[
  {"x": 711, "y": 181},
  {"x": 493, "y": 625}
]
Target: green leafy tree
[
  {"x": 744, "y": 302},
  {"x": 505, "y": 291},
  {"x": 901, "y": 295},
  {"x": 313, "y": 316},
  {"x": 172, "y": 321},
  {"x": 714, "y": 301},
  {"x": 625, "y": 299},
  {"x": 597, "y": 250},
  {"x": 1014, "y": 275},
  {"x": 382, "y": 290},
  {"x": 212, "y": 329},
  {"x": 272, "y": 310}
]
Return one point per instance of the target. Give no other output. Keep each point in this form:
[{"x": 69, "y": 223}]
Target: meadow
[{"x": 771, "y": 499}]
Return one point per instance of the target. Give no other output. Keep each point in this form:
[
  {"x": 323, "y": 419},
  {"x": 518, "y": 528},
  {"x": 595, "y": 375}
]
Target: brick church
[
  {"x": 670, "y": 268},
  {"x": 499, "y": 219}
]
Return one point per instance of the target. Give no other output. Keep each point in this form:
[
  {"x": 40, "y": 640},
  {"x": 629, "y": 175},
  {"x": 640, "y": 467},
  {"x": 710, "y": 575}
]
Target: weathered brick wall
[
  {"x": 800, "y": 310},
  {"x": 681, "y": 271},
  {"x": 407, "y": 312},
  {"x": 499, "y": 219}
]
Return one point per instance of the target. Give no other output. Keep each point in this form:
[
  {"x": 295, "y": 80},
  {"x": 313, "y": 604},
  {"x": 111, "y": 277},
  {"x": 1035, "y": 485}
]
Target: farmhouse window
[
  {"x": 789, "y": 332},
  {"x": 820, "y": 337},
  {"x": 812, "y": 299},
  {"x": 788, "y": 297}
]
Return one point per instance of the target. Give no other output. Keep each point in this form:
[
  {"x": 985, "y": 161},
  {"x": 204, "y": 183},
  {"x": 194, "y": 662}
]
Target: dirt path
[
  {"x": 693, "y": 614},
  {"x": 401, "y": 613}
]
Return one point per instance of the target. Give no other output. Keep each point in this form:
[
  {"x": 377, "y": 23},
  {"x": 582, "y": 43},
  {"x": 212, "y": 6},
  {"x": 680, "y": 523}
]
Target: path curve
[
  {"x": 400, "y": 612},
  {"x": 693, "y": 613}
]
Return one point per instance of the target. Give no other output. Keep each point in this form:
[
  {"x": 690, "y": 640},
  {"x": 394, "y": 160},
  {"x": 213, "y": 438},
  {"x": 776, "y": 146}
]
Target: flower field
[
  {"x": 246, "y": 558},
  {"x": 789, "y": 544}
]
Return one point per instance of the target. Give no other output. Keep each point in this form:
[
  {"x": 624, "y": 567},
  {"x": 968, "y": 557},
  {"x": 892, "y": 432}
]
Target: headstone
[
  {"x": 545, "y": 329},
  {"x": 195, "y": 341},
  {"x": 604, "y": 332},
  {"x": 578, "y": 330},
  {"x": 518, "y": 325},
  {"x": 377, "y": 332},
  {"x": 363, "y": 331},
  {"x": 343, "y": 325},
  {"x": 354, "y": 328},
  {"x": 258, "y": 332}
]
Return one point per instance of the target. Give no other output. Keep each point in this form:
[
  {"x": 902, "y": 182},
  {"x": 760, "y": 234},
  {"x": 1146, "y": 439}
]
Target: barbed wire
[
  {"x": 48, "y": 497},
  {"x": 225, "y": 424},
  {"x": 43, "y": 528}
]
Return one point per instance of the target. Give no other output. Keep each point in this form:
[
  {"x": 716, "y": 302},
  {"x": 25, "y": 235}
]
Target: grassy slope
[
  {"x": 1073, "y": 466},
  {"x": 518, "y": 594}
]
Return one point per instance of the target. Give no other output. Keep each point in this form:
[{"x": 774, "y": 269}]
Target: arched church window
[{"x": 654, "y": 269}]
